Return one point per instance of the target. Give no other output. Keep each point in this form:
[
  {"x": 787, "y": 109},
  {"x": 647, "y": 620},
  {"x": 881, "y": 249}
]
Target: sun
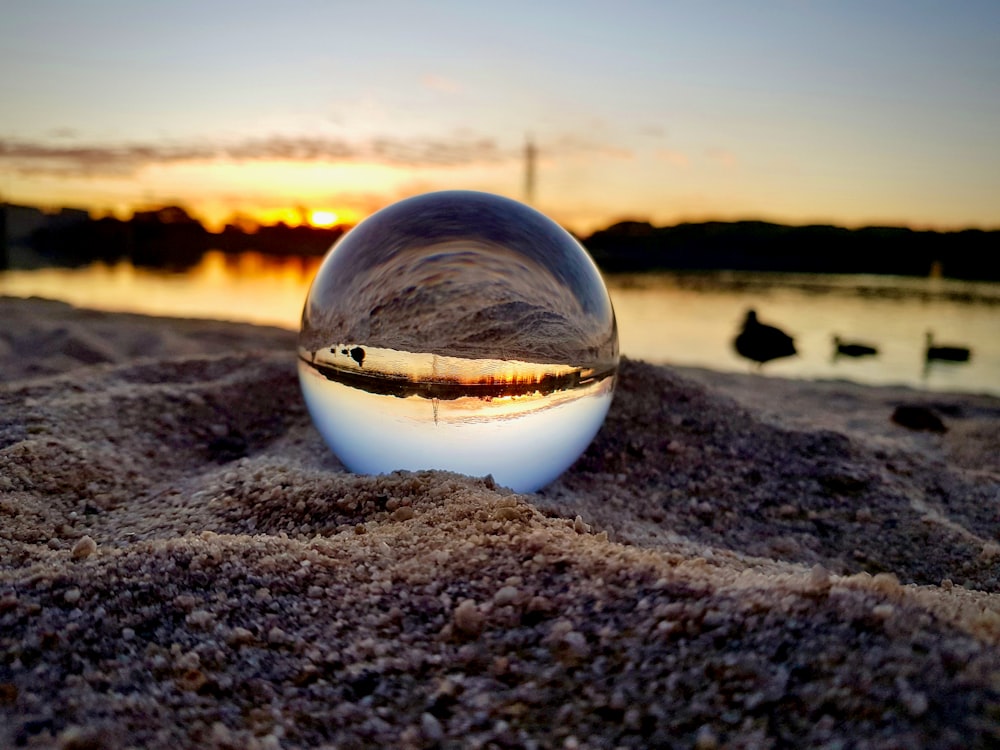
[{"x": 322, "y": 218}]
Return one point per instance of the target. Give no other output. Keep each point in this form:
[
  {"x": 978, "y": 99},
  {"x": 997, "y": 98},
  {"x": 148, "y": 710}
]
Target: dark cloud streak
[
  {"x": 122, "y": 160},
  {"x": 58, "y": 158}
]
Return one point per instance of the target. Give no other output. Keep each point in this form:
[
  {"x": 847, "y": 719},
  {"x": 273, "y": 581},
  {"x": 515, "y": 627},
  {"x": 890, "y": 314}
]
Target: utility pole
[{"x": 530, "y": 152}]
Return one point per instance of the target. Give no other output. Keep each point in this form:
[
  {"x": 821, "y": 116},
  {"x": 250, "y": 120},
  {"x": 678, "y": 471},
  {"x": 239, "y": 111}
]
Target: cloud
[
  {"x": 440, "y": 83},
  {"x": 653, "y": 131},
  {"x": 63, "y": 133},
  {"x": 62, "y": 159},
  {"x": 722, "y": 156},
  {"x": 59, "y": 158},
  {"x": 574, "y": 145},
  {"x": 677, "y": 158}
]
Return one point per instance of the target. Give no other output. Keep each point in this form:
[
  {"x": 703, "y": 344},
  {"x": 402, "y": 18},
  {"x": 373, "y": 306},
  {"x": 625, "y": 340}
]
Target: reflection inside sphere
[{"x": 461, "y": 331}]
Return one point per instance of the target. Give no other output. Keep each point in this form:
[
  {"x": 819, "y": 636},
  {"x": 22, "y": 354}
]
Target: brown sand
[{"x": 736, "y": 561}]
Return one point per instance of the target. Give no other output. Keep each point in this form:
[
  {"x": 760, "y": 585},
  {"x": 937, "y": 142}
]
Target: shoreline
[
  {"x": 736, "y": 561},
  {"x": 900, "y": 359}
]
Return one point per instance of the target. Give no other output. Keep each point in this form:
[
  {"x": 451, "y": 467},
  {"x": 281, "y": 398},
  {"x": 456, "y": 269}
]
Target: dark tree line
[
  {"x": 170, "y": 238},
  {"x": 762, "y": 246}
]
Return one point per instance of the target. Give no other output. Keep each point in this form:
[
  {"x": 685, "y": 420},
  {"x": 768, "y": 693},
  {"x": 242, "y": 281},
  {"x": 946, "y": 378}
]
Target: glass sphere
[{"x": 463, "y": 331}]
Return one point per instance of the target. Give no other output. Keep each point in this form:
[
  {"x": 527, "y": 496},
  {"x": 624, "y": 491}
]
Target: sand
[{"x": 736, "y": 561}]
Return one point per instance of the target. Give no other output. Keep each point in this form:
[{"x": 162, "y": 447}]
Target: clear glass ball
[{"x": 459, "y": 330}]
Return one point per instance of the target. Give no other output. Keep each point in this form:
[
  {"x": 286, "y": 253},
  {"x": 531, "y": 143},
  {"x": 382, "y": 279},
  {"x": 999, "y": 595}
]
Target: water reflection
[
  {"x": 670, "y": 318},
  {"x": 524, "y": 437},
  {"x": 252, "y": 287},
  {"x": 390, "y": 372}
]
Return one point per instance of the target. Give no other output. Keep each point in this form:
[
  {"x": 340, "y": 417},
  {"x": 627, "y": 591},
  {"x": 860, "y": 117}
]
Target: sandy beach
[{"x": 737, "y": 561}]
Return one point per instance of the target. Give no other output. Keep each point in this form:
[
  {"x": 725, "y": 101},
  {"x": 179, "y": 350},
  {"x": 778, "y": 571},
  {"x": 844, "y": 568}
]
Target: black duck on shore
[{"x": 762, "y": 343}]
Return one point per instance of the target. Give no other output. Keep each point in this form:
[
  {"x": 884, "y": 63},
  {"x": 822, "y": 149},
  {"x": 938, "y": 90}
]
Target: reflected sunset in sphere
[{"x": 462, "y": 331}]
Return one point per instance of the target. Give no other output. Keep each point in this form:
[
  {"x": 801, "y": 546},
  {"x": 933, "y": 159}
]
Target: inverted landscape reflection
[{"x": 376, "y": 424}]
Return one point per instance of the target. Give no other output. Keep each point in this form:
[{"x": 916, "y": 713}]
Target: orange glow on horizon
[{"x": 283, "y": 215}]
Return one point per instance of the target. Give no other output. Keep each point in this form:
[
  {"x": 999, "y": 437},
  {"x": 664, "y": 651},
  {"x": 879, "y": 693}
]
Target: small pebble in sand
[
  {"x": 505, "y": 595},
  {"x": 8, "y": 601},
  {"x": 883, "y": 611},
  {"x": 191, "y": 680},
  {"x": 431, "y": 727},
  {"x": 239, "y": 637},
  {"x": 916, "y": 703},
  {"x": 199, "y": 618},
  {"x": 84, "y": 548},
  {"x": 468, "y": 619},
  {"x": 705, "y": 739},
  {"x": 819, "y": 578},
  {"x": 990, "y": 551},
  {"x": 277, "y": 636},
  {"x": 403, "y": 514},
  {"x": 82, "y": 738},
  {"x": 188, "y": 660},
  {"x": 576, "y": 643},
  {"x": 8, "y": 693},
  {"x": 633, "y": 719},
  {"x": 507, "y": 514}
]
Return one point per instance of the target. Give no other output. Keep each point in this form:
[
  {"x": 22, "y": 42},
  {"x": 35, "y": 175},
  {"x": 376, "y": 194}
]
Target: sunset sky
[{"x": 840, "y": 111}]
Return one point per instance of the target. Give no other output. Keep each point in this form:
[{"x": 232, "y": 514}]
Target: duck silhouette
[
  {"x": 945, "y": 353},
  {"x": 762, "y": 343},
  {"x": 852, "y": 349}
]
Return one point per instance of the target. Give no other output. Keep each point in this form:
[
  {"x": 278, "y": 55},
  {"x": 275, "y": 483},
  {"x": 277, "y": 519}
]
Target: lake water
[{"x": 665, "y": 318}]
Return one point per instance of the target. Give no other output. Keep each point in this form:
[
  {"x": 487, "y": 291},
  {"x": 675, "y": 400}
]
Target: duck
[
  {"x": 358, "y": 355},
  {"x": 947, "y": 353},
  {"x": 852, "y": 349},
  {"x": 762, "y": 343}
]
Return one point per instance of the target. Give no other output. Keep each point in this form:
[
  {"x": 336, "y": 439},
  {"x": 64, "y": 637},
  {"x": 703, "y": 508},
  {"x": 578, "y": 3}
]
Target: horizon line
[{"x": 96, "y": 214}]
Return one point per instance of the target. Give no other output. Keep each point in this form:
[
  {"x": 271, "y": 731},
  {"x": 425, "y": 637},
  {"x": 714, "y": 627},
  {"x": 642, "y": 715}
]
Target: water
[
  {"x": 665, "y": 318},
  {"x": 461, "y": 331},
  {"x": 248, "y": 287},
  {"x": 692, "y": 319}
]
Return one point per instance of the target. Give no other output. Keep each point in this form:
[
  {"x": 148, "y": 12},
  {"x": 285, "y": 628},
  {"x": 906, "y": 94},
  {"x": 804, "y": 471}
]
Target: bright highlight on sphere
[{"x": 462, "y": 331}]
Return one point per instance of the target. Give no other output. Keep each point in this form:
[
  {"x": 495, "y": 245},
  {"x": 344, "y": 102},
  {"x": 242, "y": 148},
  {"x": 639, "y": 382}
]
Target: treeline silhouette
[
  {"x": 169, "y": 237},
  {"x": 763, "y": 246}
]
